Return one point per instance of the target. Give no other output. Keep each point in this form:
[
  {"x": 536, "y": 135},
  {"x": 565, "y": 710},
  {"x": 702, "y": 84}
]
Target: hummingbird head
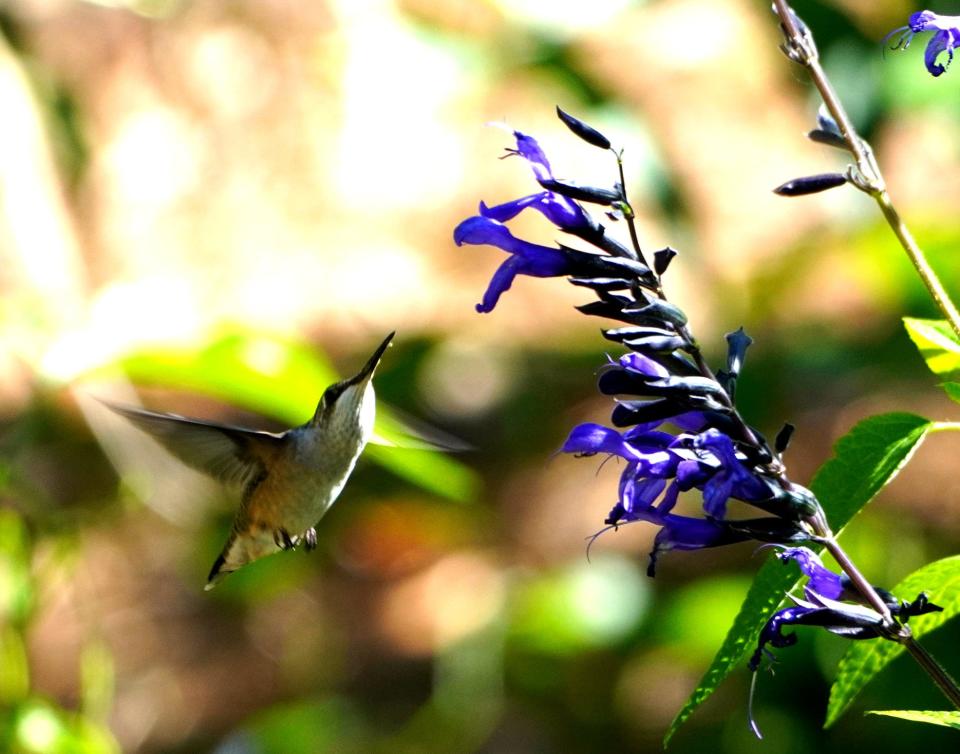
[{"x": 349, "y": 404}]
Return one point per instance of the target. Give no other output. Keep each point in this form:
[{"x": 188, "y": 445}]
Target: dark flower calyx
[
  {"x": 594, "y": 233},
  {"x": 591, "y": 194},
  {"x": 774, "y": 530},
  {"x": 737, "y": 344},
  {"x": 811, "y": 184},
  {"x": 622, "y": 334},
  {"x": 829, "y": 138},
  {"x": 588, "y": 133},
  {"x": 920, "y": 606},
  {"x": 661, "y": 310},
  {"x": 826, "y": 122},
  {"x": 782, "y": 440},
  {"x": 586, "y": 265},
  {"x": 662, "y": 259},
  {"x": 629, "y": 413},
  {"x": 656, "y": 344},
  {"x": 797, "y": 503}
]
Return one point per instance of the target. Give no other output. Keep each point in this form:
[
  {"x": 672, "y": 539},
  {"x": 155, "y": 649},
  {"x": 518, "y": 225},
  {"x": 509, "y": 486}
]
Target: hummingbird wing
[{"x": 232, "y": 455}]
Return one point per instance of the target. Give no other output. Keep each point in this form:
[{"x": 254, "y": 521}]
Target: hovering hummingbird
[{"x": 290, "y": 479}]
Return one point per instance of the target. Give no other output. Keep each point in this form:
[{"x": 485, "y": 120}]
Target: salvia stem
[
  {"x": 870, "y": 180},
  {"x": 800, "y": 48},
  {"x": 863, "y": 586},
  {"x": 631, "y": 221},
  {"x": 934, "y": 669},
  {"x": 683, "y": 331}
]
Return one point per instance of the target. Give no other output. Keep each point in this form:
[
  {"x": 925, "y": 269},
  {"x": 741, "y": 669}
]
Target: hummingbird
[{"x": 289, "y": 479}]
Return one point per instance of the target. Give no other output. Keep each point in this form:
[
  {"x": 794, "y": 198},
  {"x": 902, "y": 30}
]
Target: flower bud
[
  {"x": 588, "y": 133},
  {"x": 811, "y": 184}
]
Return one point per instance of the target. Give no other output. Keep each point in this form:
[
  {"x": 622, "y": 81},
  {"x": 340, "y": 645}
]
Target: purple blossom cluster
[
  {"x": 675, "y": 423},
  {"x": 683, "y": 431}
]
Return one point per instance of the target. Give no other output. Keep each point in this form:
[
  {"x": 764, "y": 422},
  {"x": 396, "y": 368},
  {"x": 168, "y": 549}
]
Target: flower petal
[
  {"x": 595, "y": 438},
  {"x": 528, "y": 258},
  {"x": 943, "y": 41},
  {"x": 529, "y": 149},
  {"x": 822, "y": 580}
]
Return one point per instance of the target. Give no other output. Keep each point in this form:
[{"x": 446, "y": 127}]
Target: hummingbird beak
[{"x": 368, "y": 369}]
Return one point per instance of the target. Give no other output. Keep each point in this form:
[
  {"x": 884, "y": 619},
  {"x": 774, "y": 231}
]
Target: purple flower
[
  {"x": 689, "y": 533},
  {"x": 660, "y": 465},
  {"x": 823, "y": 607},
  {"x": 732, "y": 479},
  {"x": 706, "y": 461},
  {"x": 526, "y": 258},
  {"x": 563, "y": 212},
  {"x": 946, "y": 38},
  {"x": 822, "y": 581}
]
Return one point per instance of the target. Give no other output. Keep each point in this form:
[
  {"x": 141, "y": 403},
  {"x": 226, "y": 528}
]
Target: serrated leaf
[
  {"x": 952, "y": 389},
  {"x": 863, "y": 660},
  {"x": 865, "y": 460},
  {"x": 946, "y": 718},
  {"x": 937, "y": 343}
]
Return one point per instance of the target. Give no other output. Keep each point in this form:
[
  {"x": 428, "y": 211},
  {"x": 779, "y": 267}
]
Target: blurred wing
[
  {"x": 231, "y": 454},
  {"x": 398, "y": 429}
]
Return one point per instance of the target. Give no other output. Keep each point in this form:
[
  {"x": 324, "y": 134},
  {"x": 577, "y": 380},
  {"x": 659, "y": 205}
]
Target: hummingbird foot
[
  {"x": 282, "y": 539},
  {"x": 310, "y": 539}
]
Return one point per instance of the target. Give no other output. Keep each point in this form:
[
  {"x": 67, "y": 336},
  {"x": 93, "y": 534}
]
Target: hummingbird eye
[{"x": 333, "y": 392}]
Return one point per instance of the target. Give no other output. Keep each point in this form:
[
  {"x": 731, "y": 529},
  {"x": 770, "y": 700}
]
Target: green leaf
[
  {"x": 952, "y": 389},
  {"x": 15, "y": 678},
  {"x": 865, "y": 459},
  {"x": 863, "y": 660},
  {"x": 946, "y": 718},
  {"x": 97, "y": 680},
  {"x": 937, "y": 343},
  {"x": 285, "y": 380}
]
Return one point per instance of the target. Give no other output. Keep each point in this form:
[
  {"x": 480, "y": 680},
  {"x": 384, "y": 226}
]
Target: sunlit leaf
[
  {"x": 585, "y": 605},
  {"x": 865, "y": 459},
  {"x": 15, "y": 678},
  {"x": 96, "y": 680},
  {"x": 863, "y": 660},
  {"x": 308, "y": 727},
  {"x": 937, "y": 343},
  {"x": 41, "y": 728},
  {"x": 946, "y": 718},
  {"x": 952, "y": 389},
  {"x": 38, "y": 728},
  {"x": 430, "y": 470},
  {"x": 16, "y": 585},
  {"x": 285, "y": 380}
]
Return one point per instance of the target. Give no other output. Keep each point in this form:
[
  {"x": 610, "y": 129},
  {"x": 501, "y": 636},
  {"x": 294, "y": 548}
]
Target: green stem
[
  {"x": 801, "y": 49},
  {"x": 934, "y": 669},
  {"x": 857, "y": 579}
]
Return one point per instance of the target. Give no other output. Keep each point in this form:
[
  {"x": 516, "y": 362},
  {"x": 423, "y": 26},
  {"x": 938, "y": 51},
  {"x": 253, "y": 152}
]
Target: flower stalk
[
  {"x": 800, "y": 47},
  {"x": 865, "y": 174}
]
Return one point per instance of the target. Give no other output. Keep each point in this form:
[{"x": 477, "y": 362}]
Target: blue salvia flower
[
  {"x": 659, "y": 382},
  {"x": 525, "y": 258},
  {"x": 677, "y": 428},
  {"x": 944, "y": 40},
  {"x": 829, "y": 602},
  {"x": 565, "y": 213}
]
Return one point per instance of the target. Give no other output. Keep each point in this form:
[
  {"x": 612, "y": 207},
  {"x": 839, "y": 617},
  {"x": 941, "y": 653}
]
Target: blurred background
[{"x": 216, "y": 207}]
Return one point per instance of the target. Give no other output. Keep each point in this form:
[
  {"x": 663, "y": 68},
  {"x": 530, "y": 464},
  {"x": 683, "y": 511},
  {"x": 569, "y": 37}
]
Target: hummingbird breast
[{"x": 302, "y": 485}]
